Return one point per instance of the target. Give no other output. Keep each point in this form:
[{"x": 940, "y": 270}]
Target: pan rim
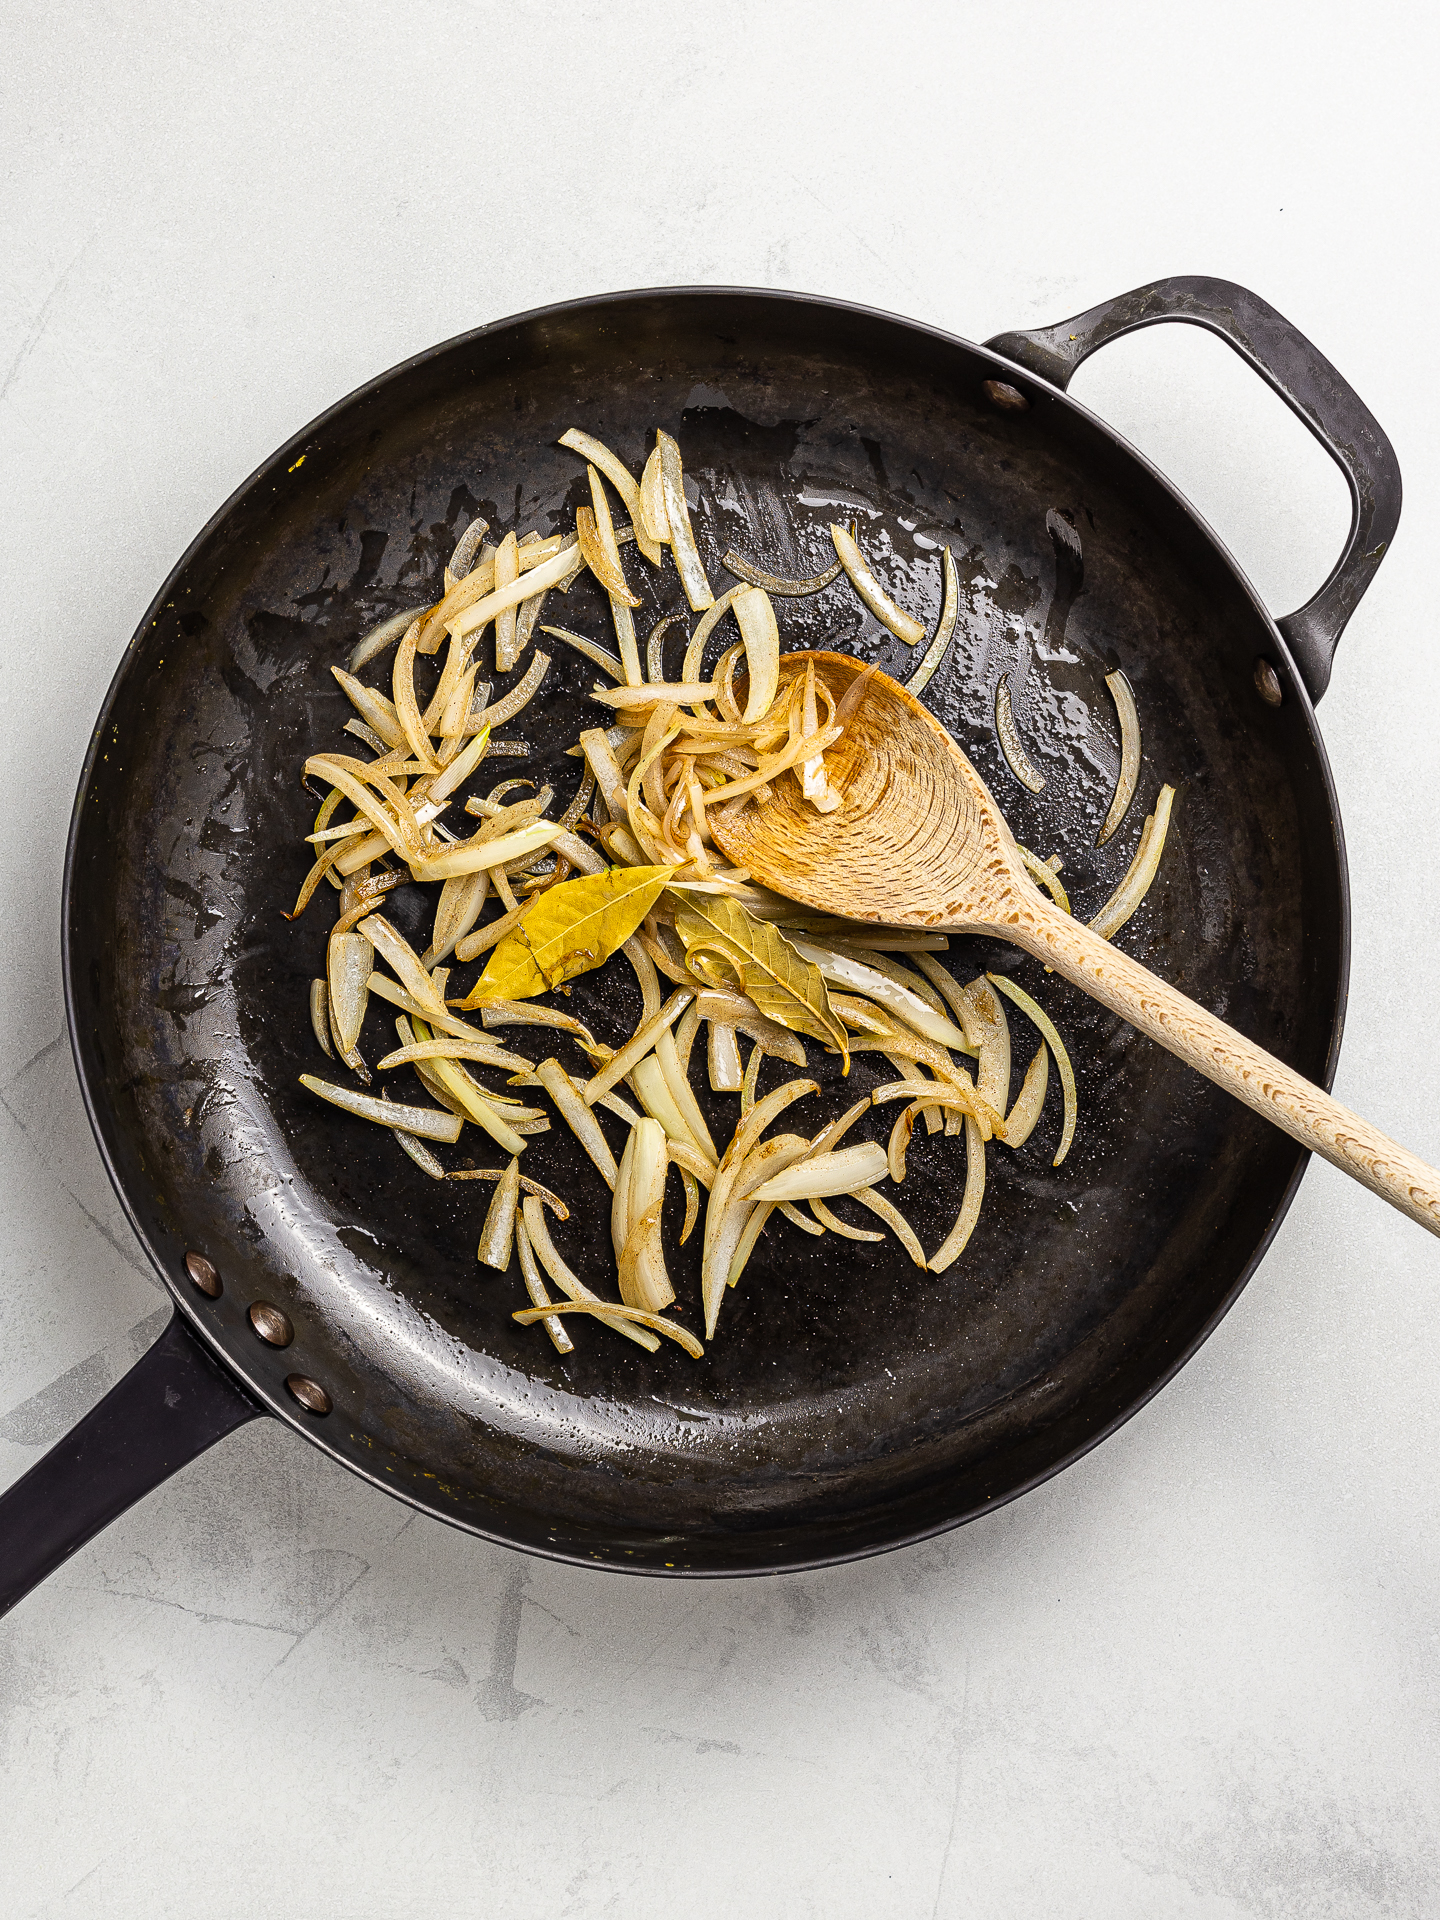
[{"x": 281, "y": 459}]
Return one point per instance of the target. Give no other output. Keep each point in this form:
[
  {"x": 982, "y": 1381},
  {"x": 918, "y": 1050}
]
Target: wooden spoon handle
[{"x": 1264, "y": 1083}]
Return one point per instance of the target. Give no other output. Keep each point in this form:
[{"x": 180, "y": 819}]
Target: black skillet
[{"x": 851, "y": 1401}]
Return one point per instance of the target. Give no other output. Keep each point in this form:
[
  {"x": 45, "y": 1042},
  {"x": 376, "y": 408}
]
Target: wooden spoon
[{"x": 920, "y": 842}]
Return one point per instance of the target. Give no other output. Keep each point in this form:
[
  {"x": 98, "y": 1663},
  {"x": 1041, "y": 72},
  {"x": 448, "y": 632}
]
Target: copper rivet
[
  {"x": 1267, "y": 683},
  {"x": 1007, "y": 398},
  {"x": 311, "y": 1395},
  {"x": 271, "y": 1324},
  {"x": 203, "y": 1273}
]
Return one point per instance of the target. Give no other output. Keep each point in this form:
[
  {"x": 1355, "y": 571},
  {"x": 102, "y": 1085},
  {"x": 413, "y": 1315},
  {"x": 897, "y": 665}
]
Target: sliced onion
[
  {"x": 686, "y": 1158},
  {"x": 552, "y": 1200},
  {"x": 1046, "y": 875},
  {"x": 723, "y": 1058},
  {"x": 954, "y": 996},
  {"x": 349, "y": 960},
  {"x": 374, "y": 709},
  {"x": 958, "y": 1238},
  {"x": 521, "y": 694},
  {"x": 424, "y": 1121},
  {"x": 836, "y": 1225},
  {"x": 685, "y": 1036},
  {"x": 487, "y": 937},
  {"x": 620, "y": 477},
  {"x": 654, "y": 1095},
  {"x": 636, "y": 1049},
  {"x": 884, "y": 989},
  {"x": 691, "y": 1184},
  {"x": 576, "y": 1111},
  {"x": 1039, "y": 1018},
  {"x": 654, "y": 646},
  {"x": 1021, "y": 764},
  {"x": 1141, "y": 872},
  {"x": 652, "y": 499},
  {"x": 477, "y": 1106},
  {"x": 751, "y": 1082},
  {"x": 620, "y": 1197},
  {"x": 350, "y": 1055},
  {"x": 725, "y": 1217},
  {"x": 682, "y": 537},
  {"x": 600, "y": 757},
  {"x": 753, "y": 576},
  {"x": 667, "y": 1053},
  {"x": 792, "y": 1213},
  {"x": 902, "y": 976},
  {"x": 570, "y": 1284},
  {"x": 1022, "y": 1117},
  {"x": 903, "y": 625},
  {"x": 992, "y": 1078},
  {"x": 550, "y": 572},
  {"x": 467, "y": 547},
  {"x": 320, "y": 1016},
  {"x": 417, "y": 1151},
  {"x": 753, "y": 1223},
  {"x": 726, "y": 1009},
  {"x": 634, "y": 700},
  {"x": 507, "y": 570},
  {"x": 894, "y": 1219},
  {"x": 462, "y": 766},
  {"x": 618, "y": 1317},
  {"x": 643, "y": 1279},
  {"x": 438, "y": 1017},
  {"x": 944, "y": 632},
  {"x": 399, "y": 955},
  {"x": 535, "y": 1287},
  {"x": 595, "y": 530},
  {"x": 526, "y": 619},
  {"x": 461, "y": 902},
  {"x": 899, "y": 1141},
  {"x": 384, "y": 635},
  {"x": 484, "y": 1052},
  {"x": 471, "y": 855},
  {"x": 367, "y": 734},
  {"x": 624, "y": 622},
  {"x": 772, "y": 1156},
  {"x": 498, "y": 1233},
  {"x": 704, "y": 627},
  {"x": 407, "y": 707},
  {"x": 528, "y": 1013},
  {"x": 1129, "y": 774},
  {"x": 755, "y": 617},
  {"x": 648, "y": 978},
  {"x": 608, "y": 662}
]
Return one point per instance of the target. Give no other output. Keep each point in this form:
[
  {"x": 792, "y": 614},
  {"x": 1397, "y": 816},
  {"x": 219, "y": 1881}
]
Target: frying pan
[{"x": 852, "y": 1401}]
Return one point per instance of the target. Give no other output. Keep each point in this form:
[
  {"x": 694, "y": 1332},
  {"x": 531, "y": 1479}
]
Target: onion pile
[{"x": 630, "y": 869}]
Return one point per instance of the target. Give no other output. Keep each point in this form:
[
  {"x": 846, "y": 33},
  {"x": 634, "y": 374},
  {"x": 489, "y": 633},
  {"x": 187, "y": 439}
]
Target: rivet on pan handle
[{"x": 1309, "y": 386}]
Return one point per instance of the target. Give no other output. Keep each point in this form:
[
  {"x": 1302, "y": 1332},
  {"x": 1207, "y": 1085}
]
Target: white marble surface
[{"x": 1192, "y": 1679}]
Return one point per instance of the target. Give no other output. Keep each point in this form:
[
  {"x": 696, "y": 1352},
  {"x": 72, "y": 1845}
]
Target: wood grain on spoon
[{"x": 920, "y": 842}]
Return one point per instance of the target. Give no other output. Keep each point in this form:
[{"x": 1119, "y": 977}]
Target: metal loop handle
[{"x": 1309, "y": 386}]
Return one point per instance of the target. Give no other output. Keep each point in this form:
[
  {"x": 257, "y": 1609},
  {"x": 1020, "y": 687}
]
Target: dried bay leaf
[
  {"x": 725, "y": 946},
  {"x": 570, "y": 929}
]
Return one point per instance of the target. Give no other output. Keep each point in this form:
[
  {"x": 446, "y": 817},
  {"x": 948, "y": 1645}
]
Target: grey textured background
[{"x": 1195, "y": 1677}]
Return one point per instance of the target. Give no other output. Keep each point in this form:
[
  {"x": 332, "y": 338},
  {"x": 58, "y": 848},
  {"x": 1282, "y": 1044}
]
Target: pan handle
[
  {"x": 173, "y": 1404},
  {"x": 1309, "y": 386}
]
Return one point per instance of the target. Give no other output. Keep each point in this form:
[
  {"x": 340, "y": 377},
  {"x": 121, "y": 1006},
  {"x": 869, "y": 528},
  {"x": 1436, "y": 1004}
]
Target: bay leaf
[
  {"x": 571, "y": 929},
  {"x": 726, "y": 945}
]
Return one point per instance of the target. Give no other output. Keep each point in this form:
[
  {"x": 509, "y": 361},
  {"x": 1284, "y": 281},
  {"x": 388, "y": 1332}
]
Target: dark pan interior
[{"x": 850, "y": 1399}]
